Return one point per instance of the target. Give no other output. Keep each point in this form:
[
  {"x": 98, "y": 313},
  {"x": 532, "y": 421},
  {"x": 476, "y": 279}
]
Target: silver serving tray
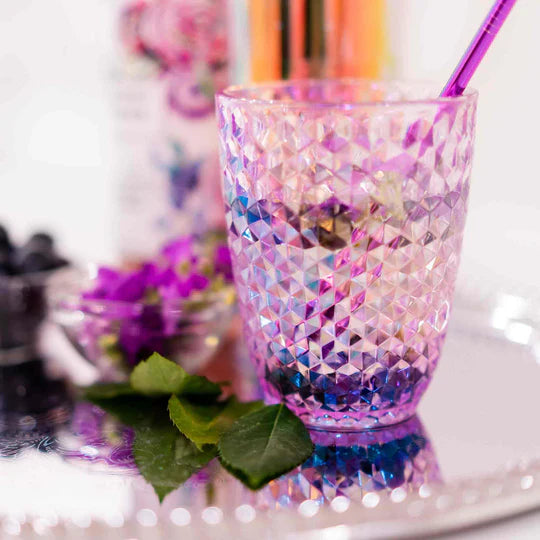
[{"x": 480, "y": 416}]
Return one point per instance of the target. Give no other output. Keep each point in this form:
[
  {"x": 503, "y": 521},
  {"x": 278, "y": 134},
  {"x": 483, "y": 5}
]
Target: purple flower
[
  {"x": 179, "y": 251},
  {"x": 195, "y": 282},
  {"x": 142, "y": 335},
  {"x": 106, "y": 281},
  {"x": 198, "y": 282},
  {"x": 183, "y": 287},
  {"x": 223, "y": 263},
  {"x": 129, "y": 289},
  {"x": 121, "y": 286},
  {"x": 138, "y": 312}
]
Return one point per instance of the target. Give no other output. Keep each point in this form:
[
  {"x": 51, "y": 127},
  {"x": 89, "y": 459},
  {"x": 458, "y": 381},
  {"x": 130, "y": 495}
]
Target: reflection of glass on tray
[{"x": 353, "y": 464}]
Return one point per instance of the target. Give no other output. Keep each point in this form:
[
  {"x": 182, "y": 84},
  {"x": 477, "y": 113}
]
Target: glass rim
[{"x": 236, "y": 93}]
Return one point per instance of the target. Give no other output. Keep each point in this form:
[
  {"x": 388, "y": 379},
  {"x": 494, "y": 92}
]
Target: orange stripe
[
  {"x": 363, "y": 42},
  {"x": 355, "y": 40},
  {"x": 265, "y": 39},
  {"x": 333, "y": 33},
  {"x": 299, "y": 67}
]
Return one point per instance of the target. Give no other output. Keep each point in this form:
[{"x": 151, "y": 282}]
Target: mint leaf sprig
[{"x": 181, "y": 422}]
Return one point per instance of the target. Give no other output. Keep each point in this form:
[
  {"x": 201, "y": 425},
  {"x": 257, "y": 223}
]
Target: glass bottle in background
[
  {"x": 174, "y": 58},
  {"x": 137, "y": 93},
  {"x": 293, "y": 39}
]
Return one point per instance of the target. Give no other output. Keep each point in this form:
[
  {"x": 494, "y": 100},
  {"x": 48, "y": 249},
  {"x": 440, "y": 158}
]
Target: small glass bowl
[{"x": 114, "y": 335}]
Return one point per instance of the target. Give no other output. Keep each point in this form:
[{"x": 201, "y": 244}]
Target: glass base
[
  {"x": 321, "y": 420},
  {"x": 357, "y": 418}
]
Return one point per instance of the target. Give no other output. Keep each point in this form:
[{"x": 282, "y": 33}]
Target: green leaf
[
  {"x": 204, "y": 424},
  {"x": 264, "y": 445},
  {"x": 196, "y": 386},
  {"x": 131, "y": 410},
  {"x": 165, "y": 457},
  {"x": 107, "y": 391},
  {"x": 159, "y": 376}
]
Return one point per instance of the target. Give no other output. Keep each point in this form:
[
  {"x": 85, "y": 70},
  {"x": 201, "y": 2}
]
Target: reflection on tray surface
[
  {"x": 96, "y": 436},
  {"x": 343, "y": 464},
  {"x": 36, "y": 412},
  {"x": 352, "y": 464},
  {"x": 32, "y": 407}
]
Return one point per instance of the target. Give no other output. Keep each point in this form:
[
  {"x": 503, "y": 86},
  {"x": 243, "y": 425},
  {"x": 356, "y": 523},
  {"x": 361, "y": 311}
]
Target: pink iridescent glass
[{"x": 346, "y": 203}]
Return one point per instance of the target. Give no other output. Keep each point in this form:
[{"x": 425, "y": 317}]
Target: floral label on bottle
[{"x": 170, "y": 182}]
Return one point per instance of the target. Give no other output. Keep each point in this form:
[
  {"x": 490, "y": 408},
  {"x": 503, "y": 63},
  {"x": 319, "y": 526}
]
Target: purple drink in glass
[{"x": 346, "y": 203}]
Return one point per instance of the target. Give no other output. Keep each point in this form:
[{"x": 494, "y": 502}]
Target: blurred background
[{"x": 66, "y": 100}]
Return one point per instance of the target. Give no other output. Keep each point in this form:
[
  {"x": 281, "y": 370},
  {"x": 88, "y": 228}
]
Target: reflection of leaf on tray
[{"x": 165, "y": 457}]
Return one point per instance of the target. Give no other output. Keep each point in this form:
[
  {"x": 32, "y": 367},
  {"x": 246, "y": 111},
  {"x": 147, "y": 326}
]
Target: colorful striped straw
[{"x": 478, "y": 48}]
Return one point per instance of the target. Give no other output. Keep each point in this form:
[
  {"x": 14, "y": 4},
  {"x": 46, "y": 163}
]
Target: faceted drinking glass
[{"x": 346, "y": 203}]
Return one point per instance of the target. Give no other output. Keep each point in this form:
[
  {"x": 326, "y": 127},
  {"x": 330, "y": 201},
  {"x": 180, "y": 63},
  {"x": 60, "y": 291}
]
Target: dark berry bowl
[
  {"x": 23, "y": 307},
  {"x": 24, "y": 272},
  {"x": 116, "y": 335}
]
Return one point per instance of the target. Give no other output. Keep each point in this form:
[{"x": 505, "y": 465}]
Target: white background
[
  {"x": 428, "y": 38},
  {"x": 57, "y": 141},
  {"x": 57, "y": 128},
  {"x": 55, "y": 122}
]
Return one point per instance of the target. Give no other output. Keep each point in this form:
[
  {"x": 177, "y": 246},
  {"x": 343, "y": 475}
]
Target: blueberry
[
  {"x": 4, "y": 236},
  {"x": 5, "y": 241},
  {"x": 40, "y": 241},
  {"x": 35, "y": 262},
  {"x": 36, "y": 255},
  {"x": 6, "y": 264}
]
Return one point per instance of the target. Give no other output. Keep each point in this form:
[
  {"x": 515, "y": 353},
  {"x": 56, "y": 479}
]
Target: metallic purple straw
[{"x": 478, "y": 48}]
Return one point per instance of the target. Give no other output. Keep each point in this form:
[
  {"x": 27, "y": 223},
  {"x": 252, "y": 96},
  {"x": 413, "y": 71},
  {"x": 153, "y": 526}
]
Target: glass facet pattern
[{"x": 346, "y": 203}]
